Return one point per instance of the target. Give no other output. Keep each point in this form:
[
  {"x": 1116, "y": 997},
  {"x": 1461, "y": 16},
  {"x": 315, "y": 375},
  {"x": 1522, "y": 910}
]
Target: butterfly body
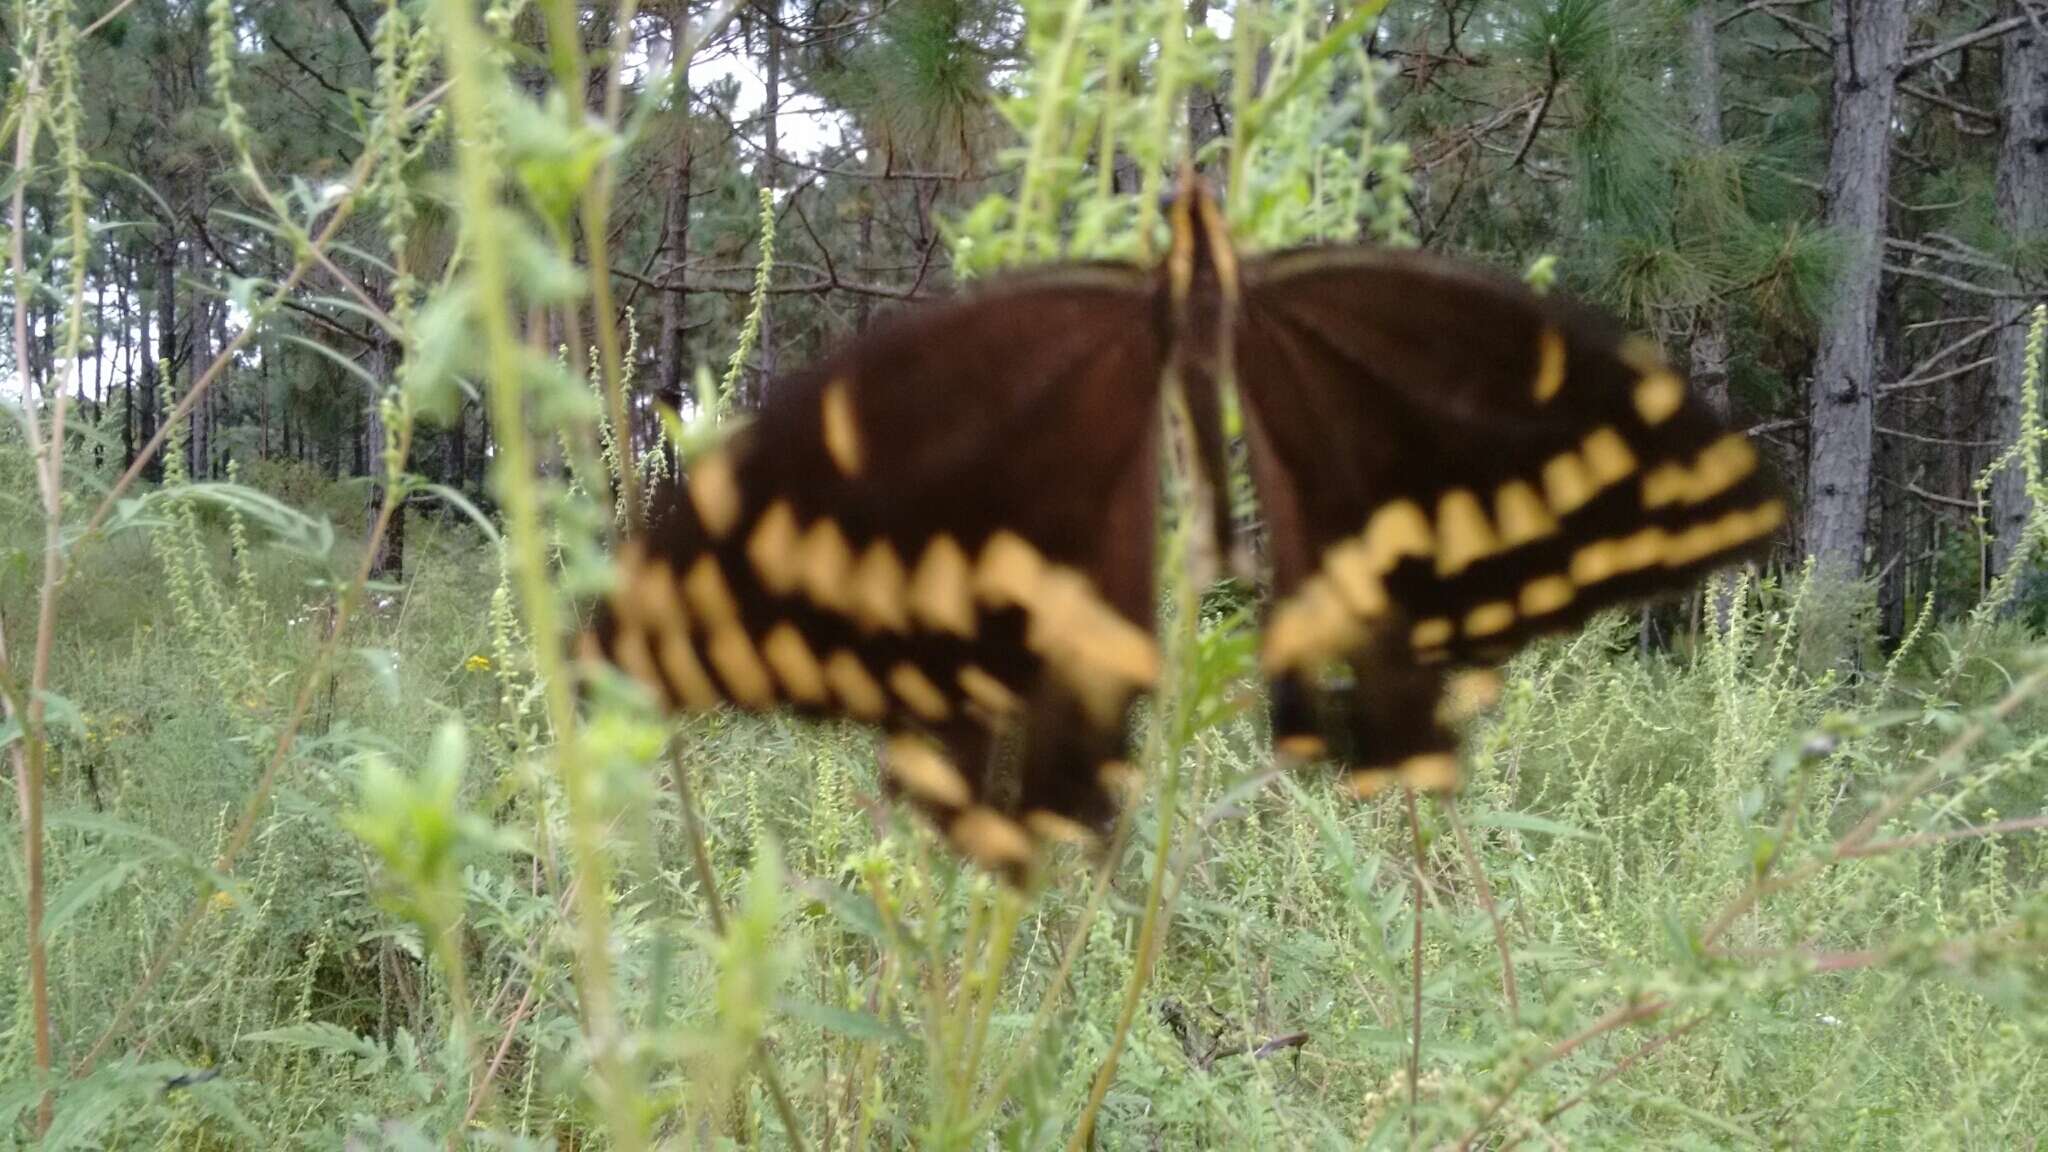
[{"x": 946, "y": 528}]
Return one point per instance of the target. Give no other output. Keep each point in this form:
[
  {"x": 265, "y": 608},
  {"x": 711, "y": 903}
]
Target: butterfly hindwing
[
  {"x": 945, "y": 530},
  {"x": 1450, "y": 465}
]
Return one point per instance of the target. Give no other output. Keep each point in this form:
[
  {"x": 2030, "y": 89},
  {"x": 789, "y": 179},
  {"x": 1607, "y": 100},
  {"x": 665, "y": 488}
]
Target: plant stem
[
  {"x": 28, "y": 751},
  {"x": 478, "y": 177}
]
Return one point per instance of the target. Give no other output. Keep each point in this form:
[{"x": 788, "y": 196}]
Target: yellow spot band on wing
[
  {"x": 1356, "y": 577},
  {"x": 1432, "y": 633},
  {"x": 794, "y": 665},
  {"x": 1659, "y": 396},
  {"x": 1008, "y": 572},
  {"x": 739, "y": 668},
  {"x": 1119, "y": 779},
  {"x": 1397, "y": 529},
  {"x": 1309, "y": 627},
  {"x": 825, "y": 563},
  {"x": 629, "y": 648},
  {"x": 1718, "y": 467},
  {"x": 917, "y": 691},
  {"x": 686, "y": 676},
  {"x": 651, "y": 597},
  {"x": 709, "y": 595},
  {"x": 1463, "y": 534},
  {"x": 772, "y": 548},
  {"x": 1426, "y": 772},
  {"x": 915, "y": 765},
  {"x": 1076, "y": 631},
  {"x": 878, "y": 584},
  {"x": 1467, "y": 694},
  {"x": 990, "y": 838},
  {"x": 1608, "y": 459},
  {"x": 1490, "y": 619},
  {"x": 1549, "y": 364},
  {"x": 1729, "y": 531},
  {"x": 715, "y": 494},
  {"x": 1566, "y": 483},
  {"x": 941, "y": 591},
  {"x": 987, "y": 691},
  {"x": 1302, "y": 746},
  {"x": 1521, "y": 514},
  {"x": 1546, "y": 594},
  {"x": 1047, "y": 824},
  {"x": 842, "y": 431},
  {"x": 854, "y": 687}
]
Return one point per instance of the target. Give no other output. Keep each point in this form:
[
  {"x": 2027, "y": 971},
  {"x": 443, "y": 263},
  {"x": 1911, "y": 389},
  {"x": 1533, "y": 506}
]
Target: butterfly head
[{"x": 1200, "y": 238}]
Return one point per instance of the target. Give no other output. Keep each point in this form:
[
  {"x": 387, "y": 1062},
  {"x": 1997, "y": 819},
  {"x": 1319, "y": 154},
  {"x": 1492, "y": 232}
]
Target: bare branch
[{"x": 1967, "y": 39}]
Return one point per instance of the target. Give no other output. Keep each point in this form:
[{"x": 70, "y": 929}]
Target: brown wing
[
  {"x": 944, "y": 529},
  {"x": 1450, "y": 465}
]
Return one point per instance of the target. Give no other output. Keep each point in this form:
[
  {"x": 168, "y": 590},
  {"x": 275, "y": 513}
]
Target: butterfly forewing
[
  {"x": 945, "y": 529},
  {"x": 1450, "y": 465}
]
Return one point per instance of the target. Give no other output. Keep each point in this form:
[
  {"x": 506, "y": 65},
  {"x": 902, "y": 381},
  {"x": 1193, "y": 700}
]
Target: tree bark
[
  {"x": 770, "y": 161},
  {"x": 1709, "y": 351},
  {"x": 2022, "y": 196},
  {"x": 167, "y": 343},
  {"x": 124, "y": 361},
  {"x": 197, "y": 443},
  {"x": 676, "y": 240},
  {"x": 1869, "y": 38},
  {"x": 455, "y": 448},
  {"x": 1202, "y": 99},
  {"x": 371, "y": 464}
]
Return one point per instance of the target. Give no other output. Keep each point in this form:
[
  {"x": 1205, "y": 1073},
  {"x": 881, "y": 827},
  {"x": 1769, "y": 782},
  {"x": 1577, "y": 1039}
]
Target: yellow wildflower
[
  {"x": 478, "y": 663},
  {"x": 220, "y": 902}
]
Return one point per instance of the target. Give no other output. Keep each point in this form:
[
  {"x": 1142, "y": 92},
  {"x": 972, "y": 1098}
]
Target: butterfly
[{"x": 946, "y": 528}]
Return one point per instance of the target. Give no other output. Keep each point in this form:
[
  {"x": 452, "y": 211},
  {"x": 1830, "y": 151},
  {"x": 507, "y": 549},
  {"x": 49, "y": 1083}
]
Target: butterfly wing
[
  {"x": 944, "y": 529},
  {"x": 1450, "y": 465}
]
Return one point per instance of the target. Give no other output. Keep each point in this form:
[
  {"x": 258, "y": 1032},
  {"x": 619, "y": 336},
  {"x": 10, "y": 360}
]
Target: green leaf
[
  {"x": 117, "y": 829},
  {"x": 462, "y": 504},
  {"x": 344, "y": 363},
  {"x": 383, "y": 666},
  {"x": 1524, "y": 822},
  {"x": 286, "y": 526},
  {"x": 841, "y": 1022},
  {"x": 60, "y": 712},
  {"x": 854, "y": 911},
  {"x": 80, "y": 894},
  {"x": 318, "y": 1037}
]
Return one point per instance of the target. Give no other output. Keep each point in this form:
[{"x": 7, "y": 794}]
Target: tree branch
[{"x": 1967, "y": 39}]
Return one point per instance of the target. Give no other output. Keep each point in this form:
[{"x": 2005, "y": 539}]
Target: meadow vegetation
[{"x": 328, "y": 860}]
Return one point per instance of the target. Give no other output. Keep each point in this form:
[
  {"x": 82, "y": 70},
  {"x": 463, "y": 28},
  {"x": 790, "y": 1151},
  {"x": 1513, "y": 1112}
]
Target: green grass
[
  {"x": 397, "y": 887},
  {"x": 1618, "y": 804}
]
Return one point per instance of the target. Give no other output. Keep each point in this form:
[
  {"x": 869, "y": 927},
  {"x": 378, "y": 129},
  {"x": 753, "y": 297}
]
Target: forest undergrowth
[
  {"x": 314, "y": 860},
  {"x": 1714, "y": 896}
]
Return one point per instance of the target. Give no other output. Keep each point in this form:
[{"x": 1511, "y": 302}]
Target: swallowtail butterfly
[{"x": 946, "y": 527}]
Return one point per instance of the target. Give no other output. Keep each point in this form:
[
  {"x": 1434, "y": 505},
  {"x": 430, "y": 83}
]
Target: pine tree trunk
[
  {"x": 371, "y": 463},
  {"x": 770, "y": 162},
  {"x": 124, "y": 355},
  {"x": 167, "y": 342},
  {"x": 196, "y": 331},
  {"x": 676, "y": 240},
  {"x": 1709, "y": 351},
  {"x": 263, "y": 408},
  {"x": 864, "y": 254},
  {"x": 455, "y": 448},
  {"x": 1870, "y": 39},
  {"x": 1201, "y": 110},
  {"x": 2022, "y": 193},
  {"x": 1899, "y": 462},
  {"x": 99, "y": 348}
]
